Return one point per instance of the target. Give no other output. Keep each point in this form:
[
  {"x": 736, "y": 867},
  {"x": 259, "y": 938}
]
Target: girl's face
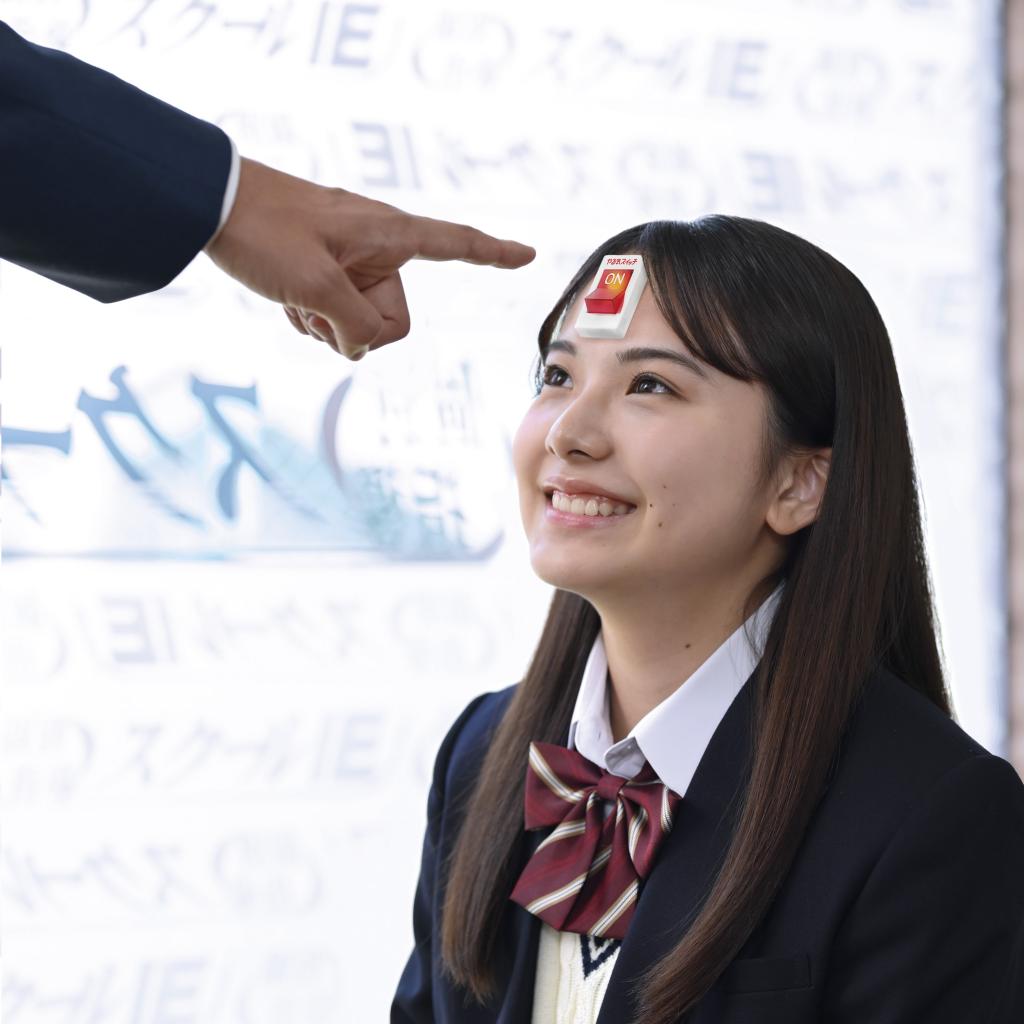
[{"x": 680, "y": 444}]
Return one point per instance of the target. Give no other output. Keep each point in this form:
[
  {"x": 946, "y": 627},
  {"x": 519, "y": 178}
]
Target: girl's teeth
[{"x": 587, "y": 506}]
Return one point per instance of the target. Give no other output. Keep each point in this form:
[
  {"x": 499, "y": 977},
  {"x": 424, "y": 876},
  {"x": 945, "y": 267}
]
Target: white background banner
[{"x": 248, "y": 585}]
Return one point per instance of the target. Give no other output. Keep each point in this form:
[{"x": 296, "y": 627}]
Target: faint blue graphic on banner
[{"x": 411, "y": 487}]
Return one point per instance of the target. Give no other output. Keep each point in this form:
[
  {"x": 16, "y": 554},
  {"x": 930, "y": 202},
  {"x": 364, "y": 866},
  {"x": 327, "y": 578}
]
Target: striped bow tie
[{"x": 586, "y": 875}]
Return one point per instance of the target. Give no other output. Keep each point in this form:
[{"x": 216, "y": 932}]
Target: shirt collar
[{"x": 673, "y": 735}]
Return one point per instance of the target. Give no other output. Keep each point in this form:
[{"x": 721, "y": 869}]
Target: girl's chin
[{"x": 568, "y": 575}]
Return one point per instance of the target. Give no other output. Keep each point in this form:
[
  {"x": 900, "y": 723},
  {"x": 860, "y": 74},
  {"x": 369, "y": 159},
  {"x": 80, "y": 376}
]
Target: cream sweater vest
[{"x": 572, "y": 975}]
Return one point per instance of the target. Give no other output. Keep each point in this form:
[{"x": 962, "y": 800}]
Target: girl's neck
[{"x": 650, "y": 655}]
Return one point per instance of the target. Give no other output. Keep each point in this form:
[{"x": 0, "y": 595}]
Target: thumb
[{"x": 354, "y": 321}]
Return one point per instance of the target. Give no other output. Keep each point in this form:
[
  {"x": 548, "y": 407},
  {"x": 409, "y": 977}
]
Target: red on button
[{"x": 608, "y": 295}]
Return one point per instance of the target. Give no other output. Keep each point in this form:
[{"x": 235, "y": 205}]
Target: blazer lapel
[
  {"x": 688, "y": 859},
  {"x": 517, "y": 968}
]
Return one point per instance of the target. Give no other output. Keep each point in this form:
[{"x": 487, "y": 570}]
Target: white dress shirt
[
  {"x": 230, "y": 190},
  {"x": 573, "y": 970}
]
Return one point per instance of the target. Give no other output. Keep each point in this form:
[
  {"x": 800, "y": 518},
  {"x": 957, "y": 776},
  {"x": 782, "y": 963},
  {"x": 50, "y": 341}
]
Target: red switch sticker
[{"x": 608, "y": 295}]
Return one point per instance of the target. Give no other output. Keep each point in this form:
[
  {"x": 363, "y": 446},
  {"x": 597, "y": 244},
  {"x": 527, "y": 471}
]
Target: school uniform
[
  {"x": 107, "y": 189},
  {"x": 904, "y": 904}
]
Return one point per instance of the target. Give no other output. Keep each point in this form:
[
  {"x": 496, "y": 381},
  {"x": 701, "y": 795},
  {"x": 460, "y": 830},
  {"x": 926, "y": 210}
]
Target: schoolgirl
[{"x": 729, "y": 787}]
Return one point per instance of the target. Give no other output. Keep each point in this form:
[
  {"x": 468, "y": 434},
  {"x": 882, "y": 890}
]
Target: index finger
[{"x": 446, "y": 240}]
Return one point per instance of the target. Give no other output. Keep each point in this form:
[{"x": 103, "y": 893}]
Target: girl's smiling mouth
[{"x": 585, "y": 509}]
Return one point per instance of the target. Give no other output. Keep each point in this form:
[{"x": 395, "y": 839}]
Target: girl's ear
[{"x": 801, "y": 487}]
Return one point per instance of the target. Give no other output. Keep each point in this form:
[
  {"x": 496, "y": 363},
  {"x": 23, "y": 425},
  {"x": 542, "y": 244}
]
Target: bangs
[
  {"x": 685, "y": 282},
  {"x": 753, "y": 301}
]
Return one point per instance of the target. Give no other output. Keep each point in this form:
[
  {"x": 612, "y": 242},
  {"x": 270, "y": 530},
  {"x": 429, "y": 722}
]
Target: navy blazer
[
  {"x": 105, "y": 189},
  {"x": 904, "y": 904}
]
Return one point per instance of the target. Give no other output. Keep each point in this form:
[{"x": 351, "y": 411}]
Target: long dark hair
[{"x": 759, "y": 304}]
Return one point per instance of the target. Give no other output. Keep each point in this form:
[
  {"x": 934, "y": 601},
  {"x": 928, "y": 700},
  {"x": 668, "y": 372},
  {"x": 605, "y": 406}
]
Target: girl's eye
[
  {"x": 640, "y": 378},
  {"x": 546, "y": 372}
]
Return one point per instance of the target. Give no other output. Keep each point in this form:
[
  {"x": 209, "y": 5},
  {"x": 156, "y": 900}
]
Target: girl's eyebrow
[{"x": 633, "y": 355}]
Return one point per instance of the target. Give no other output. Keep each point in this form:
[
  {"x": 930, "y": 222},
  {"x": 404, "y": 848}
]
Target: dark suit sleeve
[
  {"x": 934, "y": 934},
  {"x": 105, "y": 189},
  {"x": 413, "y": 1000}
]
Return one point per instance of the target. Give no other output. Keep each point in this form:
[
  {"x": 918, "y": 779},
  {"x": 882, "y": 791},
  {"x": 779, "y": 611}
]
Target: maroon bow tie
[{"x": 585, "y": 876}]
